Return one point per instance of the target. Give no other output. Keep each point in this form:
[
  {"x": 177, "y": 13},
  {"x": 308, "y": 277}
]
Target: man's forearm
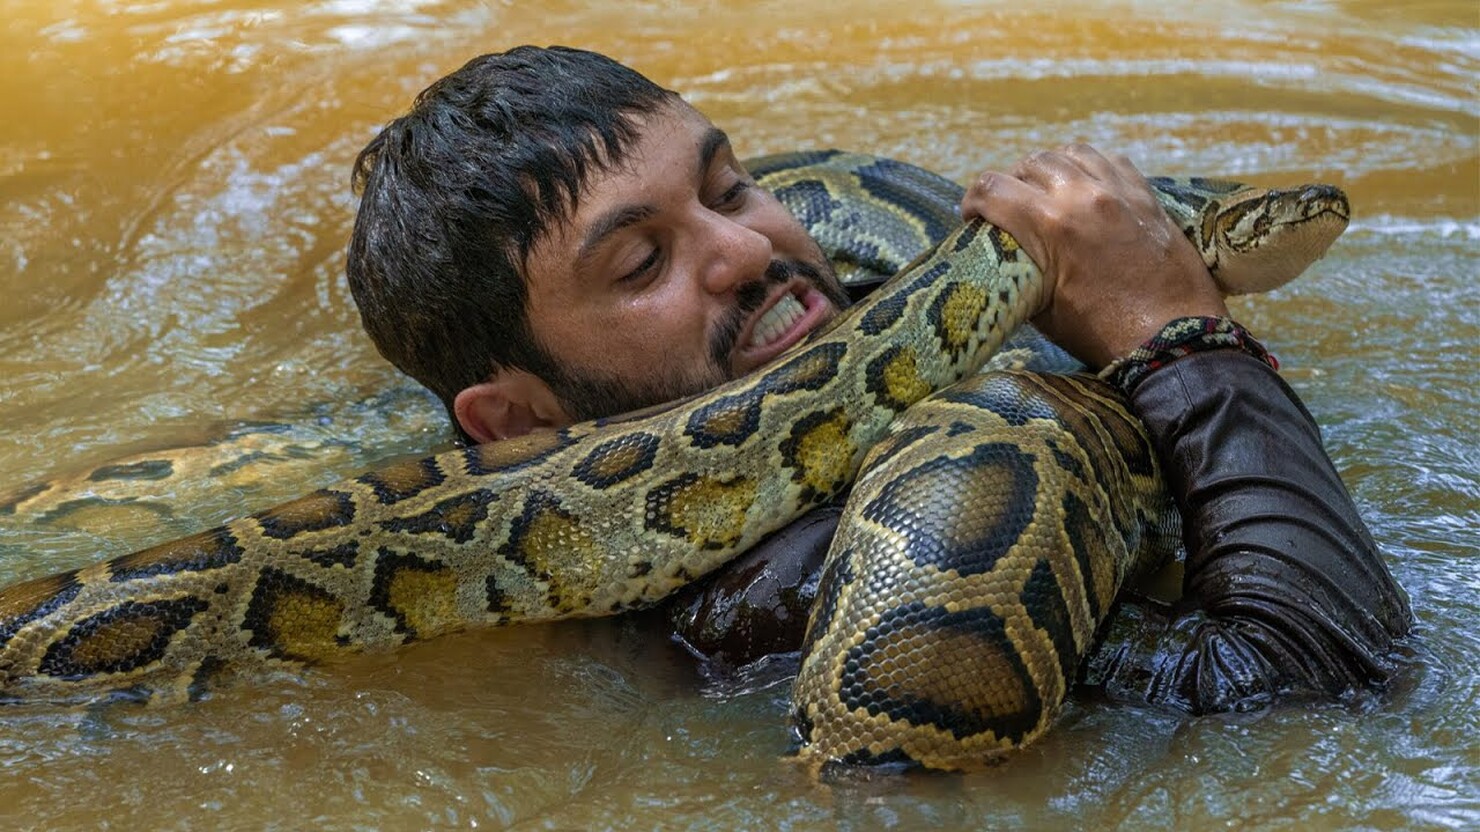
[{"x": 1285, "y": 592}]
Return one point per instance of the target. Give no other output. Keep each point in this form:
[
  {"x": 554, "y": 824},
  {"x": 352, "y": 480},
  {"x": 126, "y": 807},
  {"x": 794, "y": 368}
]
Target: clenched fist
[{"x": 1116, "y": 266}]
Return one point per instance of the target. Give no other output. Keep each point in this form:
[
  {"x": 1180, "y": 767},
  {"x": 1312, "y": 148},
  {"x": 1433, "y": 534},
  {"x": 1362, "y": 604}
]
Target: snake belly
[{"x": 614, "y": 514}]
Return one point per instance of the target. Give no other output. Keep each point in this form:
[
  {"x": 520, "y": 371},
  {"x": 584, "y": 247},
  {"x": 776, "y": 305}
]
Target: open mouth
[
  {"x": 778, "y": 319},
  {"x": 794, "y": 313}
]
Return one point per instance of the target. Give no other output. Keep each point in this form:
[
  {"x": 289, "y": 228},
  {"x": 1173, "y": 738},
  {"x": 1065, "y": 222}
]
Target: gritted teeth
[{"x": 777, "y": 320}]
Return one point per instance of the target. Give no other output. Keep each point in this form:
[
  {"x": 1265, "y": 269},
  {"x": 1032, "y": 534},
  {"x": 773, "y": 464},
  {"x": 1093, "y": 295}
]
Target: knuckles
[{"x": 1066, "y": 198}]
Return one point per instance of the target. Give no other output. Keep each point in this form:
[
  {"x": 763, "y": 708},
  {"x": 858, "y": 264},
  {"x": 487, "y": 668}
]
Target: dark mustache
[{"x": 748, "y": 298}]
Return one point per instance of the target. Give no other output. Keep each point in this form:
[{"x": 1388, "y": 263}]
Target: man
[{"x": 549, "y": 237}]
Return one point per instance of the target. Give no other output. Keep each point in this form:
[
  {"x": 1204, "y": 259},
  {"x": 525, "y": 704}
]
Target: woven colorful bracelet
[{"x": 1183, "y": 336}]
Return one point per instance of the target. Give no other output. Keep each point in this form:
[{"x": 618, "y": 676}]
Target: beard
[{"x": 589, "y": 395}]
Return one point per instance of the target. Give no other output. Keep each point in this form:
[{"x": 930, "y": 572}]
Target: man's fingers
[
  {"x": 1113, "y": 265},
  {"x": 1094, "y": 163},
  {"x": 1010, "y": 204},
  {"x": 1049, "y": 170},
  {"x": 1109, "y": 169}
]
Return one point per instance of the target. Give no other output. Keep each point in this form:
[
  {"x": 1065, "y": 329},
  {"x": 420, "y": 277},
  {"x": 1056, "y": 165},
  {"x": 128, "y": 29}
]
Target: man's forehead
[
  {"x": 676, "y": 134},
  {"x": 675, "y": 131}
]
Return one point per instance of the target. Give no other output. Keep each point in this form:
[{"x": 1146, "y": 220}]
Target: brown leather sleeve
[
  {"x": 759, "y": 604},
  {"x": 1285, "y": 592}
]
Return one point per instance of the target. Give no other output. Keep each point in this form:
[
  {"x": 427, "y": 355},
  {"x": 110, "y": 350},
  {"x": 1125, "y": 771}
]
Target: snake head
[{"x": 1264, "y": 238}]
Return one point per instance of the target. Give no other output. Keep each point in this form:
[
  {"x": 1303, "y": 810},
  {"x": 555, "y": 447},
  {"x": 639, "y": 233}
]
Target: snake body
[
  {"x": 945, "y": 638},
  {"x": 614, "y": 514}
]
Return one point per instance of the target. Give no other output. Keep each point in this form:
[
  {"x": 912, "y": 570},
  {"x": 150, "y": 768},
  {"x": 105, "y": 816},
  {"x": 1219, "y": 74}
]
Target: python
[{"x": 614, "y": 514}]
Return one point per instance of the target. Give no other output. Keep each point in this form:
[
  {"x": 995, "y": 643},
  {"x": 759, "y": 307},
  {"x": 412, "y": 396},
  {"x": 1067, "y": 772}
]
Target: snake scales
[{"x": 941, "y": 635}]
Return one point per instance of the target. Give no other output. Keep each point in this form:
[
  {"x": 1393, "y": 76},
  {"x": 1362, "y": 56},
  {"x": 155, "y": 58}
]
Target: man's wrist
[{"x": 1180, "y": 337}]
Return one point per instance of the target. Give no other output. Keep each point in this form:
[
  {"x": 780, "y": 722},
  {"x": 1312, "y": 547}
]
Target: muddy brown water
[{"x": 174, "y": 206}]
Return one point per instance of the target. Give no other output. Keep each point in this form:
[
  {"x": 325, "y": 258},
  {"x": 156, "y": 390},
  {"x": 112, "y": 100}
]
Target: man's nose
[{"x": 737, "y": 254}]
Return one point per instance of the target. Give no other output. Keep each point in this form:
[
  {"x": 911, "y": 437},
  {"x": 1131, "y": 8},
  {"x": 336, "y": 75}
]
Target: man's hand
[{"x": 1117, "y": 268}]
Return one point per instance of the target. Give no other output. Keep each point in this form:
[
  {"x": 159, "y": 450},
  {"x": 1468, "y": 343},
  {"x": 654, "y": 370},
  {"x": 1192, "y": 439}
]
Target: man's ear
[{"x": 510, "y": 404}]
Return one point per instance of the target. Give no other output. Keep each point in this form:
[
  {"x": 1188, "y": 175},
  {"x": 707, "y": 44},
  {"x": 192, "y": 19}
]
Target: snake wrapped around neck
[{"x": 989, "y": 531}]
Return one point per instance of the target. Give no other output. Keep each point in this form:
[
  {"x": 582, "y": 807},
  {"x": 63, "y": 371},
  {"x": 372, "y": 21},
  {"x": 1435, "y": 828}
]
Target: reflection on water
[{"x": 173, "y": 210}]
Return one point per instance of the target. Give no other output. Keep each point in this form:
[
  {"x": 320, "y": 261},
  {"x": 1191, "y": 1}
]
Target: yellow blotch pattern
[
  {"x": 823, "y": 454},
  {"x": 550, "y": 543},
  {"x": 711, "y": 511},
  {"x": 902, "y": 382},
  {"x": 304, "y": 625},
  {"x": 426, "y": 600},
  {"x": 1007, "y": 245},
  {"x": 960, "y": 314}
]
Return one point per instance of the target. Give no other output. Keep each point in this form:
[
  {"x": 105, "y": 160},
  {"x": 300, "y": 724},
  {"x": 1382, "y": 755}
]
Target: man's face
[{"x": 675, "y": 274}]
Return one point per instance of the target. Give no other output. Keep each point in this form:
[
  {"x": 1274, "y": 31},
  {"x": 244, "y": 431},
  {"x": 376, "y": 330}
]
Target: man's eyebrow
[
  {"x": 619, "y": 218},
  {"x": 714, "y": 141}
]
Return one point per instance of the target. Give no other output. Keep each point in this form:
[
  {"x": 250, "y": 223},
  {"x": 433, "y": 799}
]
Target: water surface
[{"x": 174, "y": 206}]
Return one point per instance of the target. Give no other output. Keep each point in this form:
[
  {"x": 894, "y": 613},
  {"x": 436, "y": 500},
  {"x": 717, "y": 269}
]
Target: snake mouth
[{"x": 780, "y": 324}]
